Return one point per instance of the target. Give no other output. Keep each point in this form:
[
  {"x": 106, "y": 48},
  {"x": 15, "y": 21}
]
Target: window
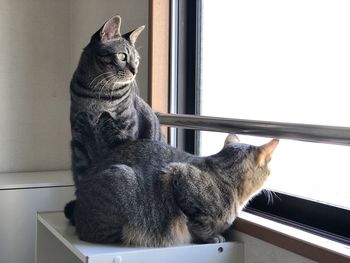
[
  {"x": 278, "y": 62},
  {"x": 286, "y": 62}
]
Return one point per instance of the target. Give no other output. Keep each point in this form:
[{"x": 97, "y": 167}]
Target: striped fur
[
  {"x": 150, "y": 194},
  {"x": 105, "y": 107}
]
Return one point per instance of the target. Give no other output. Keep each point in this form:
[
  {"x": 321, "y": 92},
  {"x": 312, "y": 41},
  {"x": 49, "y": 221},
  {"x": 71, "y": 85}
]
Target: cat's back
[{"x": 144, "y": 153}]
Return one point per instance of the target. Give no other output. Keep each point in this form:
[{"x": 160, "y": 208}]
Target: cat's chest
[
  {"x": 229, "y": 212},
  {"x": 95, "y": 109},
  {"x": 226, "y": 220},
  {"x": 232, "y": 213}
]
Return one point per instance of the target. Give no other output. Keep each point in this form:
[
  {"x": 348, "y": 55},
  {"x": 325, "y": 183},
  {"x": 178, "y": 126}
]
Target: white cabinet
[
  {"x": 21, "y": 196},
  {"x": 57, "y": 242}
]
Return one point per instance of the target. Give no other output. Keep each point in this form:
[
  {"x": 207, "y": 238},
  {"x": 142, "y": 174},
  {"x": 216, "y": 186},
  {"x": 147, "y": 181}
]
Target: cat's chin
[
  {"x": 126, "y": 81},
  {"x": 121, "y": 84}
]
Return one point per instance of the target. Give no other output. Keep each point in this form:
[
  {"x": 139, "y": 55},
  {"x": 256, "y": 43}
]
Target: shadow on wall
[
  {"x": 33, "y": 78},
  {"x": 40, "y": 47}
]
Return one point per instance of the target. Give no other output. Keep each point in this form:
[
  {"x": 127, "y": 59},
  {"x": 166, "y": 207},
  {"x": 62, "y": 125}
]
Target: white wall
[
  {"x": 41, "y": 41},
  {"x": 34, "y": 73}
]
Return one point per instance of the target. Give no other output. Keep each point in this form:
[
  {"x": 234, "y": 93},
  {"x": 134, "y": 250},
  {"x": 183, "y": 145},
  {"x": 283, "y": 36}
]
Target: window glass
[{"x": 286, "y": 61}]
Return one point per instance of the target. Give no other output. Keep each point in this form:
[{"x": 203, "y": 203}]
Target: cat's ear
[
  {"x": 231, "y": 138},
  {"x": 133, "y": 35},
  {"x": 265, "y": 152},
  {"x": 111, "y": 29}
]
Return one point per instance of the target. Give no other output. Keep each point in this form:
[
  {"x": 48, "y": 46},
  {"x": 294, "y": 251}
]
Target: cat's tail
[{"x": 69, "y": 211}]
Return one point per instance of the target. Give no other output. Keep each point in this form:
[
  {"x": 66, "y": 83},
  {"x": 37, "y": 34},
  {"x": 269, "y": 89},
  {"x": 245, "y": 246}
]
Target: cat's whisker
[
  {"x": 108, "y": 79},
  {"x": 270, "y": 198},
  {"x": 264, "y": 192},
  {"x": 103, "y": 79},
  {"x": 115, "y": 83},
  {"x": 275, "y": 195},
  {"x": 100, "y": 75},
  {"x": 268, "y": 195}
]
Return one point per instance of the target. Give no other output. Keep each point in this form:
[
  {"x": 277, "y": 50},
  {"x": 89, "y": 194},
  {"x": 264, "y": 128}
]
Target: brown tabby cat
[{"x": 150, "y": 194}]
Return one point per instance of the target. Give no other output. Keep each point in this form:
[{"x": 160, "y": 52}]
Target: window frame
[
  {"x": 184, "y": 71},
  {"x": 187, "y": 84},
  {"x": 159, "y": 59}
]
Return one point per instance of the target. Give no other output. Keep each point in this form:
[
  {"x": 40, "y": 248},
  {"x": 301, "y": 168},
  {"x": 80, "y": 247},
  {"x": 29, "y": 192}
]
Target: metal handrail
[{"x": 294, "y": 131}]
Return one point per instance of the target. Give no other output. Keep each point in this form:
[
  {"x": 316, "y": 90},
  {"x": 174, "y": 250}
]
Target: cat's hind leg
[
  {"x": 199, "y": 198},
  {"x": 105, "y": 202}
]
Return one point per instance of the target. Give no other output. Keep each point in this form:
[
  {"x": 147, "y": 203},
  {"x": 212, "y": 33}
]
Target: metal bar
[
  {"x": 173, "y": 66},
  {"x": 293, "y": 131}
]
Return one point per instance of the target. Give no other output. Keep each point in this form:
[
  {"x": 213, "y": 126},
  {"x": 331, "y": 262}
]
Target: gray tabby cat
[
  {"x": 105, "y": 107},
  {"x": 150, "y": 194}
]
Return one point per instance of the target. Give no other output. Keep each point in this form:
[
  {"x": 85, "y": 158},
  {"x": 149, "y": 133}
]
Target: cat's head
[
  {"x": 110, "y": 58},
  {"x": 249, "y": 165}
]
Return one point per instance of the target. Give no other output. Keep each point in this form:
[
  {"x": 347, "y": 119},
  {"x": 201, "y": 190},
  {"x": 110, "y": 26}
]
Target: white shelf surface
[
  {"x": 35, "y": 179},
  {"x": 59, "y": 226}
]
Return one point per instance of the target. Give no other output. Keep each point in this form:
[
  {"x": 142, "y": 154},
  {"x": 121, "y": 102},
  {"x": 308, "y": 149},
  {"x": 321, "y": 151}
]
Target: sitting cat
[
  {"x": 150, "y": 194},
  {"x": 105, "y": 107}
]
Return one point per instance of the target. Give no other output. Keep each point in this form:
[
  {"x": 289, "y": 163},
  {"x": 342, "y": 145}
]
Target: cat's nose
[{"x": 133, "y": 68}]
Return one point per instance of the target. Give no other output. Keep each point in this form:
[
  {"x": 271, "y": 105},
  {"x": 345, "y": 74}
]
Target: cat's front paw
[{"x": 216, "y": 239}]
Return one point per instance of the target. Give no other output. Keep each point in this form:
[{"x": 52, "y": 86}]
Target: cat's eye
[{"x": 121, "y": 56}]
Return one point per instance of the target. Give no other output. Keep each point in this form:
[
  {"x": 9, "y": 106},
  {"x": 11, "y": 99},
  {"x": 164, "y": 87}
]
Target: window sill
[{"x": 292, "y": 239}]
